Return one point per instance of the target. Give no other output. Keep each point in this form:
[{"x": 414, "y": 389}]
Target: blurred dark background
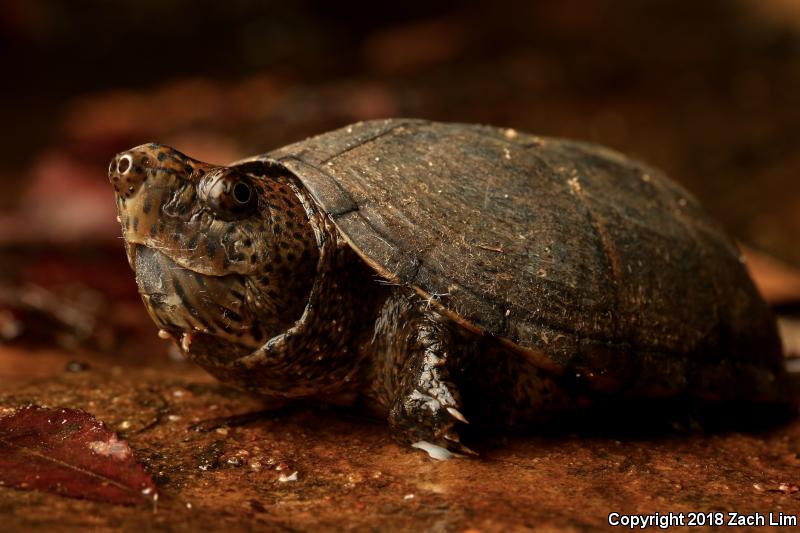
[{"x": 708, "y": 91}]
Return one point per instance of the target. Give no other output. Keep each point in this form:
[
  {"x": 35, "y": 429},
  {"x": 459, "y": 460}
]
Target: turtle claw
[
  {"x": 415, "y": 420},
  {"x": 452, "y": 437},
  {"x": 456, "y": 447},
  {"x": 455, "y": 413},
  {"x": 462, "y": 451}
]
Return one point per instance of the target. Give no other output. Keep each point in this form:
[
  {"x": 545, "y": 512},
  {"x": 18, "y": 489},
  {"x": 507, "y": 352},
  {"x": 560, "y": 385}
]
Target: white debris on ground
[{"x": 436, "y": 452}]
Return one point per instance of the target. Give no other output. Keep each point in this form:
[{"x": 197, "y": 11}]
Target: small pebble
[{"x": 77, "y": 366}]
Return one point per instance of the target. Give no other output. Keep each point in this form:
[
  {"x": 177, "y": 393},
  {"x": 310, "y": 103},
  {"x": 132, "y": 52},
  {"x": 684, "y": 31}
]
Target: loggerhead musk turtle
[{"x": 443, "y": 272}]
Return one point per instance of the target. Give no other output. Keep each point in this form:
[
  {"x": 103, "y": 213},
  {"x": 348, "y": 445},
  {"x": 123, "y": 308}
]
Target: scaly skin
[
  {"x": 247, "y": 276},
  {"x": 411, "y": 375}
]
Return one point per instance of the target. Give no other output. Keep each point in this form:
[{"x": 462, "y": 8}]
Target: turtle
[{"x": 442, "y": 274}]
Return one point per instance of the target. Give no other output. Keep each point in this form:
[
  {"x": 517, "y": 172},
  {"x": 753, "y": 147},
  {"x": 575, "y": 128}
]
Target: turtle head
[{"x": 221, "y": 252}]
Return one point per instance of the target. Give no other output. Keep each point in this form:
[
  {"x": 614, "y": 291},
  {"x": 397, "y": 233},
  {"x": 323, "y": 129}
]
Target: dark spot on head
[
  {"x": 199, "y": 278},
  {"x": 284, "y": 245},
  {"x": 254, "y": 258},
  {"x": 188, "y": 169},
  {"x": 153, "y": 230},
  {"x": 248, "y": 243},
  {"x": 135, "y": 223},
  {"x": 161, "y": 156},
  {"x": 297, "y": 235},
  {"x": 146, "y": 205},
  {"x": 211, "y": 248},
  {"x": 290, "y": 257},
  {"x": 179, "y": 290},
  {"x": 192, "y": 242}
]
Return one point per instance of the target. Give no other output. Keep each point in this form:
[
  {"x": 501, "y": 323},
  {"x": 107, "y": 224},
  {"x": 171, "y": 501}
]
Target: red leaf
[{"x": 70, "y": 452}]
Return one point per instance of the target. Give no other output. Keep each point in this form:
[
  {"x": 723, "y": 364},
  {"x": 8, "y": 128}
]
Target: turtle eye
[
  {"x": 229, "y": 194},
  {"x": 242, "y": 192}
]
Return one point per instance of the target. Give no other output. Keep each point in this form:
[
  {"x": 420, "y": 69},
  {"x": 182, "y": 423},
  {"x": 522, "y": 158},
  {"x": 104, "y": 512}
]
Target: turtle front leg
[{"x": 413, "y": 350}]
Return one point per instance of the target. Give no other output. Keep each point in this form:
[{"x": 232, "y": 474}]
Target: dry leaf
[{"x": 69, "y": 452}]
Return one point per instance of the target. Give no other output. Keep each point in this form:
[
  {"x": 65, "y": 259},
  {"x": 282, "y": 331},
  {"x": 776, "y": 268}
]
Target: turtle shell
[{"x": 567, "y": 252}]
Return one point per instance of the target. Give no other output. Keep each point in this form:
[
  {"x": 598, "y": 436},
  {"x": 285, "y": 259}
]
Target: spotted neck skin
[{"x": 225, "y": 259}]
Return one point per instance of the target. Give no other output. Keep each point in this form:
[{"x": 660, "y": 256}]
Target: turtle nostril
[{"x": 124, "y": 164}]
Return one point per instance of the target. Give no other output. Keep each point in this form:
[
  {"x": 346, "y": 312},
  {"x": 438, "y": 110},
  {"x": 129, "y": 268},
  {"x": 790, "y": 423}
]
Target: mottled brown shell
[{"x": 569, "y": 252}]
